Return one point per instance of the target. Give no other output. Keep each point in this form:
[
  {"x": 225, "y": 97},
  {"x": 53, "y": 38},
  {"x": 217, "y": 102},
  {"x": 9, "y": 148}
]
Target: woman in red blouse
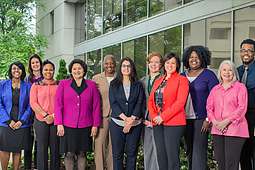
[{"x": 166, "y": 107}]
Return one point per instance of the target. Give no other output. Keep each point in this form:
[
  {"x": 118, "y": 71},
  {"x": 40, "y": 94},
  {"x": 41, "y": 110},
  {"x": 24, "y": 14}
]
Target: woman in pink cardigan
[
  {"x": 77, "y": 115},
  {"x": 226, "y": 108}
]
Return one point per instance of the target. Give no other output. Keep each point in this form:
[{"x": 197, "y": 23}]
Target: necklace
[{"x": 16, "y": 86}]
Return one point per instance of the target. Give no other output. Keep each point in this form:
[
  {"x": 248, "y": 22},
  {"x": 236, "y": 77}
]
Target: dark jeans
[
  {"x": 119, "y": 140},
  {"x": 167, "y": 140},
  {"x": 47, "y": 137},
  {"x": 227, "y": 151},
  {"x": 196, "y": 144}
]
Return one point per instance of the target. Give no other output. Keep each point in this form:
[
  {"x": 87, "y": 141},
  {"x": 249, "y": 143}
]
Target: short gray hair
[
  {"x": 233, "y": 68},
  {"x": 109, "y": 56}
]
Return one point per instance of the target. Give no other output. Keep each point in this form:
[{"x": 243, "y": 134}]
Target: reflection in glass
[
  {"x": 128, "y": 49},
  {"x": 170, "y": 4},
  {"x": 173, "y": 40},
  {"x": 244, "y": 28},
  {"x": 140, "y": 56},
  {"x": 218, "y": 39},
  {"x": 156, "y": 43},
  {"x": 156, "y": 7},
  {"x": 134, "y": 10},
  {"x": 112, "y": 15},
  {"x": 94, "y": 63},
  {"x": 94, "y": 18}
]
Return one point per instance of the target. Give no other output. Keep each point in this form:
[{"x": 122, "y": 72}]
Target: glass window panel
[
  {"x": 156, "y": 43},
  {"x": 244, "y": 28},
  {"x": 218, "y": 39},
  {"x": 94, "y": 63},
  {"x": 194, "y": 34},
  {"x": 128, "y": 49},
  {"x": 112, "y": 15},
  {"x": 170, "y": 4},
  {"x": 80, "y": 24},
  {"x": 134, "y": 10},
  {"x": 94, "y": 18},
  {"x": 173, "y": 40},
  {"x": 140, "y": 56},
  {"x": 188, "y": 1},
  {"x": 156, "y": 7}
]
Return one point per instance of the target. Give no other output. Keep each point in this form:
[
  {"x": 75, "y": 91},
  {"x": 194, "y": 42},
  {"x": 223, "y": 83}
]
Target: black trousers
[
  {"x": 228, "y": 151},
  {"x": 119, "y": 140},
  {"x": 247, "y": 159},
  {"x": 196, "y": 144},
  {"x": 47, "y": 137},
  {"x": 167, "y": 140}
]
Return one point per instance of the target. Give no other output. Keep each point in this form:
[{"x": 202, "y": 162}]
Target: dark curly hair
[
  {"x": 248, "y": 41},
  {"x": 21, "y": 66},
  {"x": 203, "y": 53},
  {"x": 78, "y": 61}
]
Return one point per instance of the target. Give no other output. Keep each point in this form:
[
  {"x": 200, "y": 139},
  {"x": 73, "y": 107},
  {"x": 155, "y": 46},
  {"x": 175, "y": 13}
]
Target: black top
[
  {"x": 80, "y": 89},
  {"x": 15, "y": 104},
  {"x": 159, "y": 97}
]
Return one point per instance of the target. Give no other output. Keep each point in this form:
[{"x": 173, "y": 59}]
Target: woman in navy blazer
[
  {"x": 126, "y": 100},
  {"x": 15, "y": 116}
]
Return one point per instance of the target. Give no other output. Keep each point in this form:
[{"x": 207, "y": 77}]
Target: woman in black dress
[{"x": 15, "y": 116}]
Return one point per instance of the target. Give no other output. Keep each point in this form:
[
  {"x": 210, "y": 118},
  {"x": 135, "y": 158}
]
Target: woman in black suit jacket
[{"x": 126, "y": 99}]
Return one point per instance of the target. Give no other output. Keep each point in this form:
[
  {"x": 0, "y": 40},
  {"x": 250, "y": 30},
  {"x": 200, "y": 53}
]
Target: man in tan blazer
[{"x": 103, "y": 154}]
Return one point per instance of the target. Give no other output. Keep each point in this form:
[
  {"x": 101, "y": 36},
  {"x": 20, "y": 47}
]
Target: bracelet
[{"x": 46, "y": 115}]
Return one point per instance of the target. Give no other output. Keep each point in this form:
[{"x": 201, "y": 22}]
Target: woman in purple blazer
[{"x": 77, "y": 115}]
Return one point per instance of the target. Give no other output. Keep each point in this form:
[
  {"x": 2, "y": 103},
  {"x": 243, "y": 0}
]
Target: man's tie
[{"x": 244, "y": 78}]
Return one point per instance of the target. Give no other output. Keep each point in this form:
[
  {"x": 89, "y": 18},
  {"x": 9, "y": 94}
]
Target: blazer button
[
  {"x": 126, "y": 103},
  {"x": 78, "y": 104},
  {"x": 78, "y": 96},
  {"x": 164, "y": 102}
]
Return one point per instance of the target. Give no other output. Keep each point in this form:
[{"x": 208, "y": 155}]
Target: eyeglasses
[
  {"x": 248, "y": 51},
  {"x": 123, "y": 65}
]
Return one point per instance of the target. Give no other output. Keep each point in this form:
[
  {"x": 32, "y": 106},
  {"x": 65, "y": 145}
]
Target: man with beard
[{"x": 247, "y": 76}]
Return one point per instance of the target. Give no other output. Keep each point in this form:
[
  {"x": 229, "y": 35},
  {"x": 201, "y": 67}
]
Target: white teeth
[{"x": 194, "y": 62}]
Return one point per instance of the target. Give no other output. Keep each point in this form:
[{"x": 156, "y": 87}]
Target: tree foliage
[
  {"x": 17, "y": 38},
  {"x": 62, "y": 71}
]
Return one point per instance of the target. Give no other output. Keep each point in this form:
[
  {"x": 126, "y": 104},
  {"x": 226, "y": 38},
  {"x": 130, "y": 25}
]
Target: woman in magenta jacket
[
  {"x": 226, "y": 108},
  {"x": 77, "y": 114}
]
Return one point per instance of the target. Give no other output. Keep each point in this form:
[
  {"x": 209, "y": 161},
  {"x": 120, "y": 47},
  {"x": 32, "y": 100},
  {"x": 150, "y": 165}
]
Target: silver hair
[
  {"x": 109, "y": 56},
  {"x": 233, "y": 68}
]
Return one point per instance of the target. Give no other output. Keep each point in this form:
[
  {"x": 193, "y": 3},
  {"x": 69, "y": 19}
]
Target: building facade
[{"x": 91, "y": 29}]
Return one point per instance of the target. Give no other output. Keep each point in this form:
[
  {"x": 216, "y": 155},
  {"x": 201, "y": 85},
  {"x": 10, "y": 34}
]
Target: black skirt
[
  {"x": 76, "y": 139},
  {"x": 15, "y": 140}
]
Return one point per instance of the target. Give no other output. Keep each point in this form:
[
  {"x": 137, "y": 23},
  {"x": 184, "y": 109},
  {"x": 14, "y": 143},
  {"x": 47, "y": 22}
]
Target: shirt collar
[{"x": 220, "y": 85}]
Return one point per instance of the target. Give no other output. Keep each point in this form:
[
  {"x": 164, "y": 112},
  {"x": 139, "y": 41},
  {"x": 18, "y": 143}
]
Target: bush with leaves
[{"x": 62, "y": 71}]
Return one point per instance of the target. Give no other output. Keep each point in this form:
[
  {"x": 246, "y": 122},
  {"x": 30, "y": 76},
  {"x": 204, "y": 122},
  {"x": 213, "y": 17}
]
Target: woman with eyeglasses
[
  {"x": 15, "y": 116},
  {"x": 126, "y": 100}
]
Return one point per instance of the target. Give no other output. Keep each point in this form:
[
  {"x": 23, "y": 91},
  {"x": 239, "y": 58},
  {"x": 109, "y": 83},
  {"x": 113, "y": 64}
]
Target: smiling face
[
  {"x": 154, "y": 64},
  {"x": 246, "y": 57},
  {"x": 226, "y": 73},
  {"x": 16, "y": 72},
  {"x": 35, "y": 64},
  {"x": 48, "y": 72},
  {"x": 77, "y": 71},
  {"x": 109, "y": 65},
  {"x": 126, "y": 68},
  {"x": 170, "y": 66},
  {"x": 194, "y": 61}
]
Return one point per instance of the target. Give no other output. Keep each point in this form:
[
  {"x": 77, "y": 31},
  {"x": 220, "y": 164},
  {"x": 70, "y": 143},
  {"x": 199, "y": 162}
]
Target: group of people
[{"x": 115, "y": 109}]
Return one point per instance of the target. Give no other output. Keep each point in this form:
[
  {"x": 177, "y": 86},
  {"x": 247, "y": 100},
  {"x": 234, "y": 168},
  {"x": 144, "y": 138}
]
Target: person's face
[
  {"x": 35, "y": 64},
  {"x": 48, "y": 72},
  {"x": 109, "y": 65},
  {"x": 247, "y": 54},
  {"x": 194, "y": 61},
  {"x": 126, "y": 68},
  {"x": 226, "y": 73},
  {"x": 77, "y": 71},
  {"x": 154, "y": 64},
  {"x": 170, "y": 66},
  {"x": 16, "y": 72}
]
